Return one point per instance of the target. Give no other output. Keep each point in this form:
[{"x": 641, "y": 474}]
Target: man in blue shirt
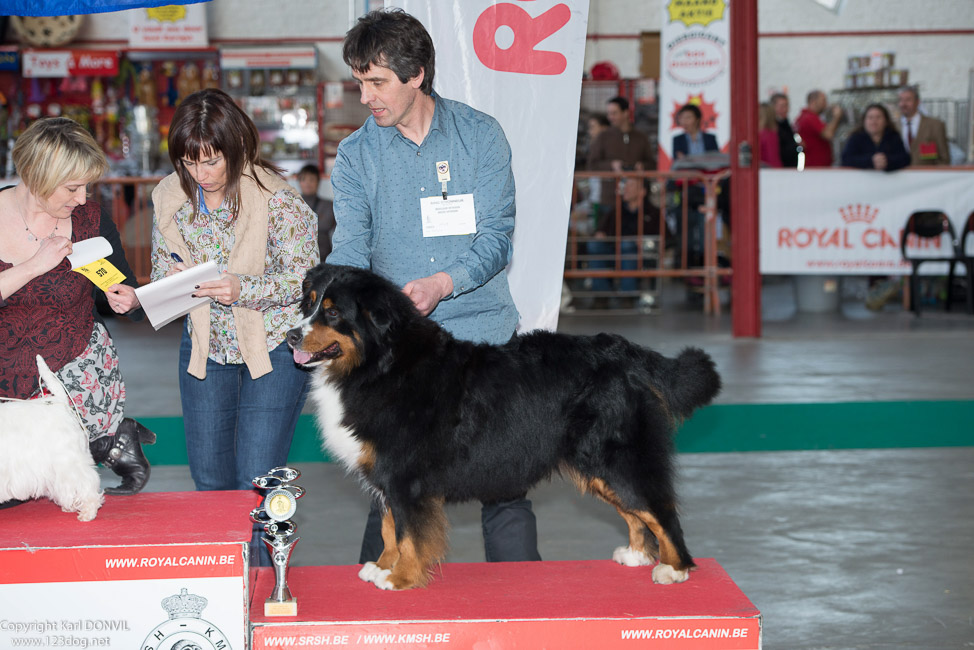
[{"x": 424, "y": 196}]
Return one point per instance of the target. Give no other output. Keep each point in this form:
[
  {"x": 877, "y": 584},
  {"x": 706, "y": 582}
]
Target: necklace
[{"x": 30, "y": 233}]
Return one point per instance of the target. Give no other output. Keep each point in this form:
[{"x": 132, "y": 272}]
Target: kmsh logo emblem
[{"x": 186, "y": 629}]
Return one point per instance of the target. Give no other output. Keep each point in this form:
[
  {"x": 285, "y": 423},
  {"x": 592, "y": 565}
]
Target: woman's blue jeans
[{"x": 237, "y": 427}]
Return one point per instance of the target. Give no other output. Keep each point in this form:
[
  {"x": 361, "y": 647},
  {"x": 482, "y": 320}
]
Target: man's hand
[{"x": 427, "y": 292}]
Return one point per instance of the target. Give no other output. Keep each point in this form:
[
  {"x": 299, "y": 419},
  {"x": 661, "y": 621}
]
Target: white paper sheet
[
  {"x": 167, "y": 299},
  {"x": 87, "y": 251}
]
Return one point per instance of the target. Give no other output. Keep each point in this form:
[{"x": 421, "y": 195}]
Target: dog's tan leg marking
[
  {"x": 378, "y": 570},
  {"x": 366, "y": 459},
  {"x": 419, "y": 552},
  {"x": 670, "y": 569},
  {"x": 642, "y": 550},
  {"x": 390, "y": 554}
]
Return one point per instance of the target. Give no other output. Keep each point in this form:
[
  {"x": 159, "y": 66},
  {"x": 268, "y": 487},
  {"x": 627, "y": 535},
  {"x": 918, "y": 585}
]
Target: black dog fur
[{"x": 424, "y": 419}]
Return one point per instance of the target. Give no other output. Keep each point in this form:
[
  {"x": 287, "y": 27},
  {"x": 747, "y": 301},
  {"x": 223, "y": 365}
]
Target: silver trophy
[{"x": 274, "y": 513}]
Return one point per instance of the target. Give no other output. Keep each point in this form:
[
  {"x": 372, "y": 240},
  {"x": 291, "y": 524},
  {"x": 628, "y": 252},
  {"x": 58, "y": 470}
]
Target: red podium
[
  {"x": 151, "y": 570},
  {"x": 530, "y": 605}
]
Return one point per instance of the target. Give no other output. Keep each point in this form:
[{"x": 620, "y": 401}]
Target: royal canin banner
[
  {"x": 694, "y": 69},
  {"x": 521, "y": 62},
  {"x": 848, "y": 222},
  {"x": 70, "y": 63}
]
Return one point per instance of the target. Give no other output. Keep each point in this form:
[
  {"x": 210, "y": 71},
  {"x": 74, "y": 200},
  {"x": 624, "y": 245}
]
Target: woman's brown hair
[{"x": 210, "y": 122}]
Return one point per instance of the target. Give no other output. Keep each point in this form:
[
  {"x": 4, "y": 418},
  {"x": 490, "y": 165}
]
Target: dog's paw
[
  {"x": 664, "y": 574},
  {"x": 369, "y": 571},
  {"x": 382, "y": 580},
  {"x": 628, "y": 556}
]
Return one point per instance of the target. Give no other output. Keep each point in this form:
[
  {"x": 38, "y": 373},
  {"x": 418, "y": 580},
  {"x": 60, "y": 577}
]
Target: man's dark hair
[
  {"x": 621, "y": 102},
  {"x": 310, "y": 169},
  {"x": 391, "y": 38},
  {"x": 692, "y": 108},
  {"x": 776, "y": 96}
]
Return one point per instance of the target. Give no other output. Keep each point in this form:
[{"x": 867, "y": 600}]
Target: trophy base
[{"x": 281, "y": 608}]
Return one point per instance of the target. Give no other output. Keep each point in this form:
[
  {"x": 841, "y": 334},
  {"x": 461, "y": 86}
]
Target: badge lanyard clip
[{"x": 443, "y": 175}]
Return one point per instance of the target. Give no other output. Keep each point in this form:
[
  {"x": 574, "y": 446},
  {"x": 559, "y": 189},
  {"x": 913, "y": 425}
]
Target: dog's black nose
[{"x": 294, "y": 337}]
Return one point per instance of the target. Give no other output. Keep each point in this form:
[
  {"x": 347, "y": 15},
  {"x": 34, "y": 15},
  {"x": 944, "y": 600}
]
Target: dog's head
[{"x": 350, "y": 316}]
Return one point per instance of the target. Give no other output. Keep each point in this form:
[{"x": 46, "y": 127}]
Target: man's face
[
  {"x": 390, "y": 100},
  {"x": 617, "y": 116},
  {"x": 308, "y": 183},
  {"x": 687, "y": 121},
  {"x": 781, "y": 108},
  {"x": 818, "y": 103},
  {"x": 908, "y": 103}
]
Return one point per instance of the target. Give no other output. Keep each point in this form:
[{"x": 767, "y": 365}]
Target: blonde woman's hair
[{"x": 54, "y": 150}]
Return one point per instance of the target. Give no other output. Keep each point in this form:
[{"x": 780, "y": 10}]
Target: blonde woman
[{"x": 47, "y": 309}]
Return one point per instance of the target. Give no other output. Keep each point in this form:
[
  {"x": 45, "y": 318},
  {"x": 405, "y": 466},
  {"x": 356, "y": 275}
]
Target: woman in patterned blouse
[{"x": 240, "y": 389}]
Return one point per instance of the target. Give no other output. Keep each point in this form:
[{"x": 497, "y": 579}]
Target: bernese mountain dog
[{"x": 426, "y": 419}]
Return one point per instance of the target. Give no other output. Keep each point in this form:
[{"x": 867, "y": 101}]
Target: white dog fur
[{"x": 44, "y": 451}]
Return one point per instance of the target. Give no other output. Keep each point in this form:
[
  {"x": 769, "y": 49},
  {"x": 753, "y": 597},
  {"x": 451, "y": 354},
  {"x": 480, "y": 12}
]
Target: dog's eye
[{"x": 331, "y": 312}]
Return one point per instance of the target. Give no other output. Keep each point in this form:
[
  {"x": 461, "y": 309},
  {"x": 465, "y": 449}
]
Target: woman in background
[
  {"x": 876, "y": 144},
  {"x": 47, "y": 309},
  {"x": 241, "y": 392},
  {"x": 768, "y": 136}
]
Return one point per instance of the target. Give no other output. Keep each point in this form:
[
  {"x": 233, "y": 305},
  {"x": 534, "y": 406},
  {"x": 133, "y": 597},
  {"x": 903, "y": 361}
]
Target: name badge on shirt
[{"x": 454, "y": 215}]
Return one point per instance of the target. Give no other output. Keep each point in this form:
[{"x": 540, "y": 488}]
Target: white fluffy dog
[{"x": 44, "y": 451}]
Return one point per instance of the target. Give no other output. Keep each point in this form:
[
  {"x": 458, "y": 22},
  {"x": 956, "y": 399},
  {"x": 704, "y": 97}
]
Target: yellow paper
[{"x": 102, "y": 272}]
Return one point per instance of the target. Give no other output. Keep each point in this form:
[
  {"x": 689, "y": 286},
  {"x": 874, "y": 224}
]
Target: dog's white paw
[
  {"x": 369, "y": 571},
  {"x": 382, "y": 580},
  {"x": 628, "y": 556},
  {"x": 664, "y": 574}
]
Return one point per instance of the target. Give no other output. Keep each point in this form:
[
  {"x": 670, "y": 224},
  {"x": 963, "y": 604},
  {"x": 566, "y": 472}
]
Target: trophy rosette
[{"x": 274, "y": 513}]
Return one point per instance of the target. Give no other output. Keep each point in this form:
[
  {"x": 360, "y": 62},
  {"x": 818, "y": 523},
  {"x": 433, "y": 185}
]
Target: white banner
[
  {"x": 522, "y": 64},
  {"x": 694, "y": 69},
  {"x": 848, "y": 222}
]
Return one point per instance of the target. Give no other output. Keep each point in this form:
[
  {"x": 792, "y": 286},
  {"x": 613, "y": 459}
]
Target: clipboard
[{"x": 167, "y": 299}]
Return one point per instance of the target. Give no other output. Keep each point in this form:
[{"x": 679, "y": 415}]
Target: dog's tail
[
  {"x": 51, "y": 382},
  {"x": 694, "y": 382}
]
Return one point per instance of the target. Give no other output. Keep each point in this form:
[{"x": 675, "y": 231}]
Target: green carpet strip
[{"x": 721, "y": 428}]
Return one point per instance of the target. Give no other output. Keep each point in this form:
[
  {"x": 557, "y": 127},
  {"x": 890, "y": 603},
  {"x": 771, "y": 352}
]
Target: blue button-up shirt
[{"x": 380, "y": 177}]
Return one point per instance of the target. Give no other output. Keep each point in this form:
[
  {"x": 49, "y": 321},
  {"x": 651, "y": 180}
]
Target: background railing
[
  {"x": 128, "y": 199},
  {"x": 690, "y": 240}
]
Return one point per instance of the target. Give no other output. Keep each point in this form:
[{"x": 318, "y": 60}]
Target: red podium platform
[
  {"x": 150, "y": 570},
  {"x": 529, "y": 605}
]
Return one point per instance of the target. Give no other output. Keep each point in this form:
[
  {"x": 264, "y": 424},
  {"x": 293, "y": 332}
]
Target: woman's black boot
[{"x": 122, "y": 453}]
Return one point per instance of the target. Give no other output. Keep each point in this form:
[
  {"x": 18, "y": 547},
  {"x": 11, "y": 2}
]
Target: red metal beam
[{"x": 746, "y": 281}]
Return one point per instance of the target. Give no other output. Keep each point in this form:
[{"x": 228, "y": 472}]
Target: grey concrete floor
[{"x": 838, "y": 549}]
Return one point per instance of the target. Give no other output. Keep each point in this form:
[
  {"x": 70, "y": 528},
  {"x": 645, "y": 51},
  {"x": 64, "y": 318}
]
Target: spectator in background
[
  {"x": 924, "y": 137},
  {"x": 619, "y": 147},
  {"x": 816, "y": 135},
  {"x": 787, "y": 145},
  {"x": 768, "y": 136},
  {"x": 876, "y": 143},
  {"x": 692, "y": 141},
  {"x": 309, "y": 178},
  {"x": 635, "y": 199}
]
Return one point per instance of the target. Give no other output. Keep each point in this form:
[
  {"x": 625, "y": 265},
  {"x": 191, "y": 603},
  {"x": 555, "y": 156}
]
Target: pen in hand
[{"x": 176, "y": 257}]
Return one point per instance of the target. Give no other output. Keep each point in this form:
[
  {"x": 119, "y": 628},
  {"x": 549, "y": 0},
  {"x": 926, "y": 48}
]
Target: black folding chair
[{"x": 934, "y": 241}]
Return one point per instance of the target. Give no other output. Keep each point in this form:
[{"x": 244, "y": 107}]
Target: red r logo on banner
[{"x": 528, "y": 32}]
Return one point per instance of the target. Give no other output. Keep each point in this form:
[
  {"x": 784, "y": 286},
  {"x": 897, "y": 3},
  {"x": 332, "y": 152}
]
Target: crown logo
[
  {"x": 184, "y": 605},
  {"x": 859, "y": 212}
]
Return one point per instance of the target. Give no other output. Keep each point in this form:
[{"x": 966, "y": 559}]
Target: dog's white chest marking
[{"x": 337, "y": 438}]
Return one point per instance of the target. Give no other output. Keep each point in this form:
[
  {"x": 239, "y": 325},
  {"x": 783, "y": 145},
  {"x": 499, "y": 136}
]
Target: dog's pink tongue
[{"x": 300, "y": 356}]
